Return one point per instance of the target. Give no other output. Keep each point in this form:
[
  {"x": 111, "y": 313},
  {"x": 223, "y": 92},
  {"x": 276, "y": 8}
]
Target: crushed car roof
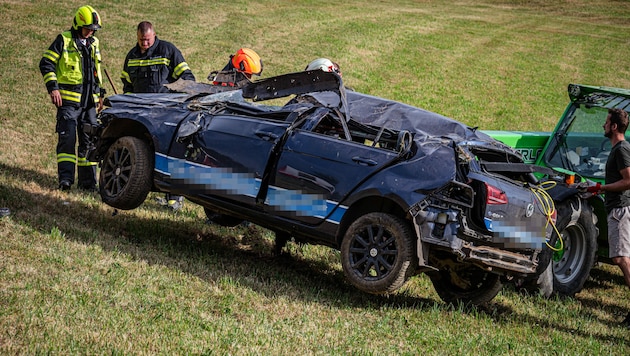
[{"x": 314, "y": 88}]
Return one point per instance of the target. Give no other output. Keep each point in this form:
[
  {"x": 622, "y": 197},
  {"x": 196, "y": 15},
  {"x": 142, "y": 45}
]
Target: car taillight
[{"x": 495, "y": 196}]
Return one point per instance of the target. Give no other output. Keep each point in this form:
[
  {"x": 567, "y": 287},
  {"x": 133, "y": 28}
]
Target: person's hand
[
  {"x": 594, "y": 189},
  {"x": 100, "y": 104},
  {"x": 55, "y": 97}
]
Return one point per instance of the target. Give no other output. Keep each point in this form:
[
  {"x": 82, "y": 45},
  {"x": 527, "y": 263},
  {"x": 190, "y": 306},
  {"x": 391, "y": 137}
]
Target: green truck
[{"x": 578, "y": 150}]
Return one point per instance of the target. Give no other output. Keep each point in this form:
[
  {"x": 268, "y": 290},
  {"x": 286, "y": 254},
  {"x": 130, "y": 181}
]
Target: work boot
[
  {"x": 4, "y": 212},
  {"x": 64, "y": 185}
]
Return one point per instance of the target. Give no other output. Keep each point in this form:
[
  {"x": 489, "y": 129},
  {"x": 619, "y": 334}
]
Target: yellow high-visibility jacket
[{"x": 65, "y": 68}]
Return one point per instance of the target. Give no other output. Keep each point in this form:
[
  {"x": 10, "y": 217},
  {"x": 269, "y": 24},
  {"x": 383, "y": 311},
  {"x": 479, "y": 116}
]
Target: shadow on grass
[
  {"x": 214, "y": 254},
  {"x": 602, "y": 279},
  {"x": 189, "y": 245}
]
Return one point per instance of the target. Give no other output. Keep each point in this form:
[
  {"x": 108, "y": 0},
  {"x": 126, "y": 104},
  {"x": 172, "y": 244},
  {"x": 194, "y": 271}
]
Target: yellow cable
[{"x": 548, "y": 208}]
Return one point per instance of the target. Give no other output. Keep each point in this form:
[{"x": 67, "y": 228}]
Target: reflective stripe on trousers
[{"x": 70, "y": 120}]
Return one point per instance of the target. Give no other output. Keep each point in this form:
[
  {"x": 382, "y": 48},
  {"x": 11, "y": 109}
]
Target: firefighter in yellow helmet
[
  {"x": 239, "y": 69},
  {"x": 71, "y": 68}
]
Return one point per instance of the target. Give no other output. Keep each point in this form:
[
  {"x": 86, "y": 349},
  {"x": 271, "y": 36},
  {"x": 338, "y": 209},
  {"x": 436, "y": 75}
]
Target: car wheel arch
[
  {"x": 127, "y": 127},
  {"x": 368, "y": 205}
]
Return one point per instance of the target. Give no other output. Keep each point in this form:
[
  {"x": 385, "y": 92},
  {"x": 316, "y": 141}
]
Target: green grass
[{"x": 75, "y": 278}]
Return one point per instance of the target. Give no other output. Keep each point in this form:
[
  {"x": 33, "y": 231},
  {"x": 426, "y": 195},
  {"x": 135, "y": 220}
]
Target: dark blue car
[{"x": 397, "y": 189}]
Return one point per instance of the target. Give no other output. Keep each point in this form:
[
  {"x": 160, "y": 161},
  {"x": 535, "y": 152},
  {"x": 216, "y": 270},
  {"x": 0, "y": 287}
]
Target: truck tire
[
  {"x": 126, "y": 173},
  {"x": 572, "y": 265},
  {"x": 543, "y": 284}
]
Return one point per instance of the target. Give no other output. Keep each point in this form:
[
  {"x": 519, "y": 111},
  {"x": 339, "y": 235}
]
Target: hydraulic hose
[{"x": 547, "y": 207}]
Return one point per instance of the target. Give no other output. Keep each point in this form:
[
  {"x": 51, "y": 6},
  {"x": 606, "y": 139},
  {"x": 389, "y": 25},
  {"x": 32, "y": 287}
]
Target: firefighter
[
  {"x": 239, "y": 69},
  {"x": 71, "y": 68},
  {"x": 153, "y": 63},
  {"x": 148, "y": 66}
]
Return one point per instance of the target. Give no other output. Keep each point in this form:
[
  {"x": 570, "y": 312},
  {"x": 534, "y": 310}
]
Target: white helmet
[{"x": 324, "y": 64}]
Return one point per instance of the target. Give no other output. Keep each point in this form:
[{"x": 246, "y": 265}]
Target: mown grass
[{"x": 76, "y": 278}]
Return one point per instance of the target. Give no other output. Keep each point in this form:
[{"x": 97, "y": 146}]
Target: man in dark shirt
[
  {"x": 153, "y": 63},
  {"x": 148, "y": 66},
  {"x": 617, "y": 189}
]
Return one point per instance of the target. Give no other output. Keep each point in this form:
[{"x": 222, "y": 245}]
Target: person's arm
[
  {"x": 99, "y": 74},
  {"x": 125, "y": 78},
  {"x": 180, "y": 67},
  {"x": 622, "y": 162},
  {"x": 620, "y": 185},
  {"x": 48, "y": 67}
]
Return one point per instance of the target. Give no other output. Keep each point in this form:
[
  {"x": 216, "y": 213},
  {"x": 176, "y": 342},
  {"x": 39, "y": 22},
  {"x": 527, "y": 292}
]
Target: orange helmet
[{"x": 247, "y": 61}]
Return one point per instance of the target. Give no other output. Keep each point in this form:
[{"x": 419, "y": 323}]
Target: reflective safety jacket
[
  {"x": 147, "y": 72},
  {"x": 73, "y": 69}
]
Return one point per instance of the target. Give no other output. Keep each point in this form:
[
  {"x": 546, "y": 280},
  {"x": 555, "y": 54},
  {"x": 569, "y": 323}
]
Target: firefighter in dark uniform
[
  {"x": 153, "y": 63},
  {"x": 148, "y": 66},
  {"x": 71, "y": 68}
]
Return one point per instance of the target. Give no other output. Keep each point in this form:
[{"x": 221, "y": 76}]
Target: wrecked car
[{"x": 397, "y": 189}]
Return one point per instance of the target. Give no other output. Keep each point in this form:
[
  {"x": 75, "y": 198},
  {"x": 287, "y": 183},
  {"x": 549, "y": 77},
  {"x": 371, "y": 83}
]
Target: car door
[
  {"x": 316, "y": 170},
  {"x": 229, "y": 155}
]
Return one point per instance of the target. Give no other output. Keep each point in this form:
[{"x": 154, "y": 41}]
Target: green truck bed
[{"x": 530, "y": 144}]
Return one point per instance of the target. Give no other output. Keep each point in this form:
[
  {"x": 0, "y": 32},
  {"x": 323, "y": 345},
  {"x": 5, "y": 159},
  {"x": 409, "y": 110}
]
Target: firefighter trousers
[{"x": 70, "y": 121}]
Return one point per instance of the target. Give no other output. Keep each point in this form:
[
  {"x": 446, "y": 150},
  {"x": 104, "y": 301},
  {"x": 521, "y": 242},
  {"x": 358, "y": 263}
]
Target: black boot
[{"x": 64, "y": 185}]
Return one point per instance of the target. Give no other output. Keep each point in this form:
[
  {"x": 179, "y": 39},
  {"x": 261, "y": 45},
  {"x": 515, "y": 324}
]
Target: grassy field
[{"x": 75, "y": 278}]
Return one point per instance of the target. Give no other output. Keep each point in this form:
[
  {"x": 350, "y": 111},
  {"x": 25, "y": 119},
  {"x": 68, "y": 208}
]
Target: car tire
[
  {"x": 126, "y": 173},
  {"x": 378, "y": 254},
  {"x": 572, "y": 265},
  {"x": 463, "y": 283}
]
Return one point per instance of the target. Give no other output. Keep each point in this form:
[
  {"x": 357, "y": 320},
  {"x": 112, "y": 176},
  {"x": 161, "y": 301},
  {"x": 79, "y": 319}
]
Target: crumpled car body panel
[{"x": 308, "y": 167}]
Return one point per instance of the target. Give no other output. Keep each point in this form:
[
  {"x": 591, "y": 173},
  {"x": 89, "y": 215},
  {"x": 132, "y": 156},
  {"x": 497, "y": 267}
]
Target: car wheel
[
  {"x": 572, "y": 265},
  {"x": 466, "y": 284},
  {"x": 126, "y": 173},
  {"x": 377, "y": 253},
  {"x": 221, "y": 219}
]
